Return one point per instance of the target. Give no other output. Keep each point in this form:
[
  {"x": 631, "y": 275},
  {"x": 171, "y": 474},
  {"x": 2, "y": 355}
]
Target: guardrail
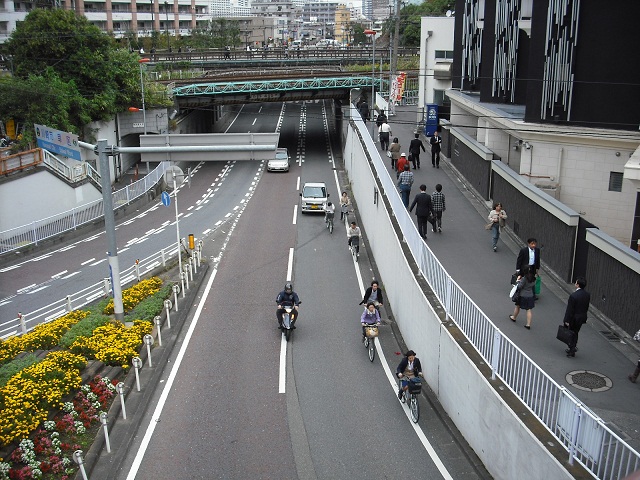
[
  {"x": 585, "y": 436},
  {"x": 25, "y": 322},
  {"x": 40, "y": 230}
]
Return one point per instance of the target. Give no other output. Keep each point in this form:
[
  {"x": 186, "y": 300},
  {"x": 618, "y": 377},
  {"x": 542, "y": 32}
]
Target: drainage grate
[
  {"x": 589, "y": 381},
  {"x": 609, "y": 335}
]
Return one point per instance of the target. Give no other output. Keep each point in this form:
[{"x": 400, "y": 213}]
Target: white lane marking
[
  {"x": 38, "y": 289},
  {"x": 70, "y": 275},
  {"x": 290, "y": 266},
  {"x": 59, "y": 274},
  {"x": 169, "y": 383},
  {"x": 234, "y": 120},
  {"x": 282, "y": 377},
  {"x": 298, "y": 184},
  {"x": 42, "y": 257},
  {"x": 94, "y": 296},
  {"x": 295, "y": 213},
  {"x": 254, "y": 121},
  {"x": 2, "y": 270},
  {"x": 99, "y": 261},
  {"x": 88, "y": 261},
  {"x": 5, "y": 303},
  {"x": 64, "y": 249},
  {"x": 206, "y": 232},
  {"x": 24, "y": 289},
  {"x": 7, "y": 335}
]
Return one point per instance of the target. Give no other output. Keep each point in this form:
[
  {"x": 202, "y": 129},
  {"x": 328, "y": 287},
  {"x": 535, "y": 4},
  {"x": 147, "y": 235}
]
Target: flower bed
[
  {"x": 28, "y": 396},
  {"x": 42, "y": 337},
  {"x": 134, "y": 295},
  {"x": 49, "y": 453}
]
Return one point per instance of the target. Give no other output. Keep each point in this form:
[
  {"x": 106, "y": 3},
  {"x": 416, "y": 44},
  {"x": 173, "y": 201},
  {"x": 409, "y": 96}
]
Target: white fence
[
  {"x": 587, "y": 439},
  {"x": 36, "y": 232}
]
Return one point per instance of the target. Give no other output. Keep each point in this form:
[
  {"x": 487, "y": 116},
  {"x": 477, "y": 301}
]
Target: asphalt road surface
[{"x": 244, "y": 403}]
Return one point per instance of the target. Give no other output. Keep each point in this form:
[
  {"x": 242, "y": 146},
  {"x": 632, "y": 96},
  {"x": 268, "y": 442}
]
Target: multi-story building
[
  {"x": 322, "y": 14},
  {"x": 342, "y": 21},
  {"x": 283, "y": 13},
  {"x": 551, "y": 87},
  {"x": 175, "y": 17}
]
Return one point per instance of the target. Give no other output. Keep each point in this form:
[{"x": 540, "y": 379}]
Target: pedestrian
[
  {"x": 394, "y": 148},
  {"x": 384, "y": 132},
  {"x": 526, "y": 284},
  {"x": 497, "y": 218},
  {"x": 344, "y": 205},
  {"x": 400, "y": 164},
  {"x": 363, "y": 108},
  {"x": 529, "y": 256},
  {"x": 634, "y": 376},
  {"x": 436, "y": 146},
  {"x": 414, "y": 150},
  {"x": 381, "y": 119},
  {"x": 424, "y": 208},
  {"x": 576, "y": 313},
  {"x": 438, "y": 206},
  {"x": 405, "y": 181}
]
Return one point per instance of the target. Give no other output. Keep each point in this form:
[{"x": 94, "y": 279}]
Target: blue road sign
[{"x": 166, "y": 199}]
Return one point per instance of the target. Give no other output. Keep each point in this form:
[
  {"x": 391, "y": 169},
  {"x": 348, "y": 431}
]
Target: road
[{"x": 224, "y": 409}]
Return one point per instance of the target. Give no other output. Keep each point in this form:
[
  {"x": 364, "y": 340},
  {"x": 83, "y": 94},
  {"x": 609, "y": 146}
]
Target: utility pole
[{"x": 393, "y": 64}]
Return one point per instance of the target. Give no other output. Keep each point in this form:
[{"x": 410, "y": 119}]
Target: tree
[
  {"x": 410, "y": 19},
  {"x": 81, "y": 55}
]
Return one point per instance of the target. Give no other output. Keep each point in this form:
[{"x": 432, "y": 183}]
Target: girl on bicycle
[
  {"x": 408, "y": 368},
  {"x": 370, "y": 316}
]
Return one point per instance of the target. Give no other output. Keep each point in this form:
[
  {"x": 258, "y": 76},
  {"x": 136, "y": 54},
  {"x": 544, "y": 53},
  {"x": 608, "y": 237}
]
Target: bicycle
[
  {"x": 410, "y": 396},
  {"x": 328, "y": 220},
  {"x": 370, "y": 334},
  {"x": 354, "y": 246}
]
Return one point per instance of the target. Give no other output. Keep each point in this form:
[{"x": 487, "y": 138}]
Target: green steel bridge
[{"x": 271, "y": 90}]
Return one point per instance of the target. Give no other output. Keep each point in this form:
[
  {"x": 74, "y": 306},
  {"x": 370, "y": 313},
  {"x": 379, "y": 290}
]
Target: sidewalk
[{"x": 598, "y": 373}]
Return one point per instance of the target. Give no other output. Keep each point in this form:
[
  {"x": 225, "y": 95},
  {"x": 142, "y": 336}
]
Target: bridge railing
[
  {"x": 585, "y": 436},
  {"x": 35, "y": 232}
]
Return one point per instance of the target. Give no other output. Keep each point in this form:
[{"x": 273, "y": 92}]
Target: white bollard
[
  {"x": 182, "y": 282},
  {"x": 176, "y": 289},
  {"x": 195, "y": 261},
  {"x": 23, "y": 324},
  {"x": 137, "y": 365},
  {"x": 164, "y": 260},
  {"x": 77, "y": 457},
  {"x": 69, "y": 308},
  {"x": 186, "y": 275},
  {"x": 104, "y": 418},
  {"x": 191, "y": 268},
  {"x": 106, "y": 286},
  {"x": 167, "y": 308},
  {"x": 157, "y": 321},
  {"x": 148, "y": 340},
  {"x": 120, "y": 390},
  {"x": 137, "y": 267}
]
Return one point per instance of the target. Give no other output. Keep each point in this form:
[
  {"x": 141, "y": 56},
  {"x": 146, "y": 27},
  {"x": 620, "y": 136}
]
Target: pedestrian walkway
[{"x": 598, "y": 373}]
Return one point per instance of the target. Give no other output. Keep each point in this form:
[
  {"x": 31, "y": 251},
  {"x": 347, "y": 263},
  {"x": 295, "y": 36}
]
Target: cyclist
[
  {"x": 354, "y": 232},
  {"x": 287, "y": 298},
  {"x": 370, "y": 316},
  {"x": 373, "y": 294},
  {"x": 329, "y": 210},
  {"x": 408, "y": 368}
]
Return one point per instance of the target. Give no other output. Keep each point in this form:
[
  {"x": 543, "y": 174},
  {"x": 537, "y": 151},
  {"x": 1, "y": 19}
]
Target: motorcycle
[{"x": 288, "y": 325}]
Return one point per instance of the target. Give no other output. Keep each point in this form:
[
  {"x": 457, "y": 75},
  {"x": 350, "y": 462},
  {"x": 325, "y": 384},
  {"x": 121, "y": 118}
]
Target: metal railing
[
  {"x": 585, "y": 436},
  {"x": 28, "y": 321},
  {"x": 40, "y": 230}
]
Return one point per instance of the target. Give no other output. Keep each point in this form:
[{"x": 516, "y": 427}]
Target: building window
[
  {"x": 615, "y": 181},
  {"x": 444, "y": 54},
  {"x": 439, "y": 98}
]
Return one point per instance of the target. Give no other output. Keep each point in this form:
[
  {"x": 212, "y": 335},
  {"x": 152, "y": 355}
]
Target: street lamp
[
  {"x": 373, "y": 76},
  {"x": 144, "y": 110}
]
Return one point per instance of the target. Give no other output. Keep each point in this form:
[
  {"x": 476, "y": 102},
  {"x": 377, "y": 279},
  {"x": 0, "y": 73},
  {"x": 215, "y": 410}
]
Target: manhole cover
[{"x": 589, "y": 381}]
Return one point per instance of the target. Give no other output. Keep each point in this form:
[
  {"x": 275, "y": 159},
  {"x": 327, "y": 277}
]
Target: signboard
[
  {"x": 166, "y": 199},
  {"x": 55, "y": 141},
  {"x": 431, "y": 122}
]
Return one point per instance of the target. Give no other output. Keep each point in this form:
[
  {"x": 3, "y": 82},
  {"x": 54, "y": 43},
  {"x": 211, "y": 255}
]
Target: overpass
[{"x": 271, "y": 90}]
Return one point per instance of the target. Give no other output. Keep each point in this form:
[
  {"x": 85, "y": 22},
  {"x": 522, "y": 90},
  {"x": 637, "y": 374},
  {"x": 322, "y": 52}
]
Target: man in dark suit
[
  {"x": 529, "y": 256},
  {"x": 576, "y": 314},
  {"x": 422, "y": 202},
  {"x": 414, "y": 150}
]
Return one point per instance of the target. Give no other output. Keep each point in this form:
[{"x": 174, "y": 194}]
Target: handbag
[
  {"x": 515, "y": 297},
  {"x": 538, "y": 286},
  {"x": 513, "y": 291},
  {"x": 565, "y": 335},
  {"x": 514, "y": 278},
  {"x": 488, "y": 226},
  {"x": 389, "y": 154}
]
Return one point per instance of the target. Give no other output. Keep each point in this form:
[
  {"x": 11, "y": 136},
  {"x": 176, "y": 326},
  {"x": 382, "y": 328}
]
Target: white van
[{"x": 313, "y": 197}]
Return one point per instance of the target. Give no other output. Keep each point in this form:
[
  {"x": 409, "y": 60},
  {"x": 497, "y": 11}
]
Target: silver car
[{"x": 280, "y": 163}]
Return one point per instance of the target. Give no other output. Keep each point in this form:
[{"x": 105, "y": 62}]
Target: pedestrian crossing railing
[
  {"x": 585, "y": 436},
  {"x": 36, "y": 232},
  {"x": 27, "y": 321}
]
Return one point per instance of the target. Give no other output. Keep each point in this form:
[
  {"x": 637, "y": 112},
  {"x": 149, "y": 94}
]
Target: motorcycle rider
[{"x": 288, "y": 298}]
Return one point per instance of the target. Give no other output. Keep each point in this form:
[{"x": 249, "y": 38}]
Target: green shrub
[
  {"x": 10, "y": 369},
  {"x": 84, "y": 328},
  {"x": 151, "y": 306}
]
